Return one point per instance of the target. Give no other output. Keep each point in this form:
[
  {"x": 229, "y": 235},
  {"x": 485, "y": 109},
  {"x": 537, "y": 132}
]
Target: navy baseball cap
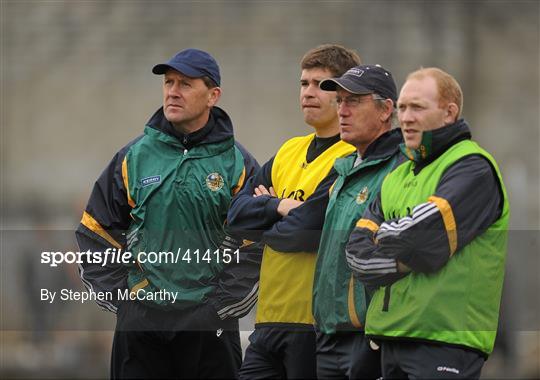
[
  {"x": 192, "y": 62},
  {"x": 363, "y": 80}
]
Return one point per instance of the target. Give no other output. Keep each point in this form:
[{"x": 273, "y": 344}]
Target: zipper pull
[{"x": 185, "y": 152}]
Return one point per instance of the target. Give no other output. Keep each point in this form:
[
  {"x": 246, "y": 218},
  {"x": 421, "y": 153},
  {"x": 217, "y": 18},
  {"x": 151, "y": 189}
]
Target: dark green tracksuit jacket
[
  {"x": 339, "y": 301},
  {"x": 166, "y": 192}
]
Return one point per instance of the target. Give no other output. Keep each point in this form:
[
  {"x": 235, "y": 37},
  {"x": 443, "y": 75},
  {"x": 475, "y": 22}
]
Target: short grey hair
[{"x": 380, "y": 103}]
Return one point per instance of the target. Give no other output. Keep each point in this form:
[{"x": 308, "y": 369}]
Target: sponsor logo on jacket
[
  {"x": 150, "y": 180},
  {"x": 214, "y": 181},
  {"x": 362, "y": 196}
]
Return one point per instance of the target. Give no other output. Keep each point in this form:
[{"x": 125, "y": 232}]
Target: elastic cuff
[{"x": 272, "y": 206}]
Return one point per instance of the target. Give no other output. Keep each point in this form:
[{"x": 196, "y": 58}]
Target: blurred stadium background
[{"x": 76, "y": 86}]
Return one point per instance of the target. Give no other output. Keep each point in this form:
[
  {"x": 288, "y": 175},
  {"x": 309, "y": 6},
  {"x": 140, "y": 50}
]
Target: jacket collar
[
  {"x": 385, "y": 146},
  {"x": 436, "y": 142},
  {"x": 218, "y": 128}
]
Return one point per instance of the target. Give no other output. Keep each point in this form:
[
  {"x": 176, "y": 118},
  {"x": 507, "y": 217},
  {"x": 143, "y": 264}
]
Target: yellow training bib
[{"x": 286, "y": 281}]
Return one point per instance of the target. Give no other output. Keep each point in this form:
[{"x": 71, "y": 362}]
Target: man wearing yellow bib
[
  {"x": 283, "y": 206},
  {"x": 432, "y": 245}
]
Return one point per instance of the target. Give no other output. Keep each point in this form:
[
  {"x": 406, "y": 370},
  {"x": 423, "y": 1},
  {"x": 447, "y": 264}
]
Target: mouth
[
  {"x": 410, "y": 131},
  {"x": 173, "y": 106},
  {"x": 304, "y": 106}
]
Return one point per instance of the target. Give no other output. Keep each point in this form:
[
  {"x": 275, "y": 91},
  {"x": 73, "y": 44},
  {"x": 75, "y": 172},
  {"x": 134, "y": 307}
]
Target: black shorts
[
  {"x": 280, "y": 352},
  {"x": 418, "y": 360},
  {"x": 151, "y": 344},
  {"x": 346, "y": 355}
]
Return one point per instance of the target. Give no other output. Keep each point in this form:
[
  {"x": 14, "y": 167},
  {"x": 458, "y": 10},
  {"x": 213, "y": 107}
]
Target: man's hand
[
  {"x": 261, "y": 190},
  {"x": 285, "y": 205},
  {"x": 402, "y": 268}
]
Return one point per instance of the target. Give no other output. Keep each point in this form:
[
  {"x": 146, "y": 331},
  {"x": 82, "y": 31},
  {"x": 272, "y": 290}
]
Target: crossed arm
[
  {"x": 466, "y": 202},
  {"x": 286, "y": 225}
]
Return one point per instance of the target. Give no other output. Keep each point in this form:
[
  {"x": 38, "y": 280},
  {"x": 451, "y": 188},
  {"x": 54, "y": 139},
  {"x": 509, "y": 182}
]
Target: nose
[
  {"x": 343, "y": 111},
  {"x": 309, "y": 91},
  {"x": 405, "y": 116},
  {"x": 173, "y": 91}
]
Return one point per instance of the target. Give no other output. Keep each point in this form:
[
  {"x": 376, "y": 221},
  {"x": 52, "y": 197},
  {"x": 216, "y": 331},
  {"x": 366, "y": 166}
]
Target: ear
[
  {"x": 451, "y": 115},
  {"x": 213, "y": 96},
  {"x": 387, "y": 112}
]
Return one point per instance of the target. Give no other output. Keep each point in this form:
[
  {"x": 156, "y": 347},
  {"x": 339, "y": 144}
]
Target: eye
[
  {"x": 304, "y": 83},
  {"x": 352, "y": 101}
]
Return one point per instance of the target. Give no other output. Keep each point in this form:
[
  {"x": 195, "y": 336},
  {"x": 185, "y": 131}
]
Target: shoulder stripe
[
  {"x": 371, "y": 265},
  {"x": 240, "y": 182},
  {"x": 89, "y": 222},
  {"x": 369, "y": 224},
  {"x": 238, "y": 308},
  {"x": 241, "y": 310},
  {"x": 350, "y": 304},
  {"x": 144, "y": 283},
  {"x": 420, "y": 213},
  {"x": 448, "y": 219},
  {"x": 105, "y": 305},
  {"x": 126, "y": 182}
]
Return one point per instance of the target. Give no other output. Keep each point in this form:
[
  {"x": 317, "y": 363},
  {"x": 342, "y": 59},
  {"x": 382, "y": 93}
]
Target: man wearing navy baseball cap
[
  {"x": 366, "y": 97},
  {"x": 169, "y": 191},
  {"x": 193, "y": 63},
  {"x": 363, "y": 80},
  {"x": 188, "y": 107}
]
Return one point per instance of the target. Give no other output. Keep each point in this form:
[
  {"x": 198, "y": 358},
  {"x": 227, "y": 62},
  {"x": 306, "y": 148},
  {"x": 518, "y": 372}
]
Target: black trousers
[
  {"x": 346, "y": 355},
  {"x": 279, "y": 352},
  {"x": 155, "y": 344},
  {"x": 416, "y": 360}
]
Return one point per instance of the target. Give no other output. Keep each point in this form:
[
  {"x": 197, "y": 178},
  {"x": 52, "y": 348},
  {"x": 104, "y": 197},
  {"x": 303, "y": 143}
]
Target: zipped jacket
[
  {"x": 433, "y": 245},
  {"x": 339, "y": 301},
  {"x": 164, "y": 198}
]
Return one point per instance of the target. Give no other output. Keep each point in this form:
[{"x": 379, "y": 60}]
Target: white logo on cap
[{"x": 356, "y": 72}]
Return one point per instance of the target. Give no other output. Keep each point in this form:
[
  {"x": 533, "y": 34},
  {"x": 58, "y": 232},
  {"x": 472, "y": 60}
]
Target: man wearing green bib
[{"x": 432, "y": 246}]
